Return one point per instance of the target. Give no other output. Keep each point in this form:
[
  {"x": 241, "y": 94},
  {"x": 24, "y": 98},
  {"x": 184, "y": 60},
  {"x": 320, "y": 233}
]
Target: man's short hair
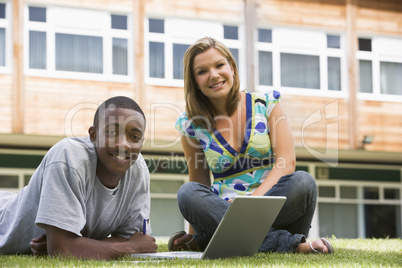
[{"x": 115, "y": 103}]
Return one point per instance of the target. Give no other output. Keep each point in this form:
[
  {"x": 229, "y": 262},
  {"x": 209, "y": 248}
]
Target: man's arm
[{"x": 64, "y": 243}]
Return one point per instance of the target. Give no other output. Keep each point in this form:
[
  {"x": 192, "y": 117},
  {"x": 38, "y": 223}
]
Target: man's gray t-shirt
[{"x": 65, "y": 192}]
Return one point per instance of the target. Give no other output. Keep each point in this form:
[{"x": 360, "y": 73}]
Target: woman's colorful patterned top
[{"x": 238, "y": 172}]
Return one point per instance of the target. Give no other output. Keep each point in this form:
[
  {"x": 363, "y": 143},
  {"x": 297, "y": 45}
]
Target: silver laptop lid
[{"x": 244, "y": 226}]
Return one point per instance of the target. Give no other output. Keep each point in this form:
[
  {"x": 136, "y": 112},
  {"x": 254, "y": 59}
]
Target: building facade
[{"x": 337, "y": 64}]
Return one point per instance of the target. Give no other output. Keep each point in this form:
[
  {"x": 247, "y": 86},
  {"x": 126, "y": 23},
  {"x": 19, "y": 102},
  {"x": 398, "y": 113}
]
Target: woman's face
[{"x": 213, "y": 74}]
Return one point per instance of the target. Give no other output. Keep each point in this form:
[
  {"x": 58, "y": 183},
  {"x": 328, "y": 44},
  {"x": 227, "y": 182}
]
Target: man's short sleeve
[{"x": 62, "y": 201}]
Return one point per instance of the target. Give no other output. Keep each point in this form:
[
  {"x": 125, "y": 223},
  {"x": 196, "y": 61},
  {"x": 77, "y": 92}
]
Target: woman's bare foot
[
  {"x": 183, "y": 241},
  {"x": 317, "y": 246}
]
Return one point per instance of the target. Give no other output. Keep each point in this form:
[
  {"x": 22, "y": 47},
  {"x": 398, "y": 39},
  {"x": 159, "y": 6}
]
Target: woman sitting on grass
[{"x": 247, "y": 143}]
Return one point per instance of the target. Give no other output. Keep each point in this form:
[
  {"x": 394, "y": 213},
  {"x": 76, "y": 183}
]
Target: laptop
[{"x": 240, "y": 232}]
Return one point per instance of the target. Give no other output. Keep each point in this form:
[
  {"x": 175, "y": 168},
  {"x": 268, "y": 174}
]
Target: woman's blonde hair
[{"x": 198, "y": 107}]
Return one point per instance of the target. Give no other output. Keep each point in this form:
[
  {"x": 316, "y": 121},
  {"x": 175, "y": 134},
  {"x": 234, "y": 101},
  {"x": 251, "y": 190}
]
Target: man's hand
[
  {"x": 141, "y": 243},
  {"x": 39, "y": 245}
]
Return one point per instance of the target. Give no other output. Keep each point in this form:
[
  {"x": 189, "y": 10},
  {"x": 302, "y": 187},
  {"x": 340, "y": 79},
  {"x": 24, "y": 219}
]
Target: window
[
  {"x": 168, "y": 39},
  {"x": 366, "y": 76},
  {"x": 371, "y": 193},
  {"x": 333, "y": 217},
  {"x": 326, "y": 191},
  {"x": 79, "y": 53},
  {"x": 380, "y": 68},
  {"x": 364, "y": 44},
  {"x": 119, "y": 22},
  {"x": 37, "y": 14},
  {"x": 2, "y": 47},
  {"x": 334, "y": 73},
  {"x": 333, "y": 41},
  {"x": 392, "y": 194},
  {"x": 14, "y": 179},
  {"x": 78, "y": 44},
  {"x": 348, "y": 192},
  {"x": 178, "y": 54},
  {"x": 391, "y": 77},
  {"x": 8, "y": 181},
  {"x": 300, "y": 61},
  {"x": 120, "y": 56},
  {"x": 5, "y": 39},
  {"x": 300, "y": 71},
  {"x": 230, "y": 32},
  {"x": 2, "y": 10},
  {"x": 156, "y": 26},
  {"x": 157, "y": 59},
  {"x": 265, "y": 67},
  {"x": 37, "y": 50},
  {"x": 265, "y": 35}
]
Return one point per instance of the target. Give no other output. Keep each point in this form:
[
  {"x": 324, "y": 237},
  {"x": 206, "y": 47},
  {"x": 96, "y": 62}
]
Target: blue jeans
[{"x": 204, "y": 210}]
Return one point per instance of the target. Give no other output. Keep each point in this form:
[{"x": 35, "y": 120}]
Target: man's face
[{"x": 118, "y": 140}]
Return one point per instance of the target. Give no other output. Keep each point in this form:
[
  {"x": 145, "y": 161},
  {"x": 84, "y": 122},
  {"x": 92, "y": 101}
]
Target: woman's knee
[
  {"x": 305, "y": 181},
  {"x": 190, "y": 192},
  {"x": 185, "y": 191},
  {"x": 305, "y": 178}
]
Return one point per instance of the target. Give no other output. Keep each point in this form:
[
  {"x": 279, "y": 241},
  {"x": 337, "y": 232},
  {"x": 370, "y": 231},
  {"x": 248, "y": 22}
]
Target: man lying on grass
[{"x": 89, "y": 196}]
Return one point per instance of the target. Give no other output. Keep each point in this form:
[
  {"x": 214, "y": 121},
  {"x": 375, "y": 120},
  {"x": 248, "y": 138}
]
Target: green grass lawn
[{"x": 348, "y": 253}]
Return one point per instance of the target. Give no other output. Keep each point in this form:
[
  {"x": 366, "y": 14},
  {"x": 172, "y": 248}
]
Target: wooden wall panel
[
  {"x": 163, "y": 105},
  {"x": 6, "y": 103},
  {"x": 383, "y": 120},
  {"x": 379, "y": 16},
  {"x": 324, "y": 13},
  {"x": 310, "y": 118},
  {"x": 115, "y": 5},
  {"x": 226, "y": 10},
  {"x": 52, "y": 103}
]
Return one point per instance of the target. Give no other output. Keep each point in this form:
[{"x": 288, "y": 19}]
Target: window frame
[
  {"x": 322, "y": 51},
  {"x": 107, "y": 34},
  {"x": 6, "y": 24},
  {"x": 168, "y": 39},
  {"x": 376, "y": 56}
]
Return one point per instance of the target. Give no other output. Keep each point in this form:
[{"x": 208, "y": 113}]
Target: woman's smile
[{"x": 217, "y": 85}]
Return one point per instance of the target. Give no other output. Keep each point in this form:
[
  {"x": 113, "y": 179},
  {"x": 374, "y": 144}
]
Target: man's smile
[{"x": 120, "y": 158}]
